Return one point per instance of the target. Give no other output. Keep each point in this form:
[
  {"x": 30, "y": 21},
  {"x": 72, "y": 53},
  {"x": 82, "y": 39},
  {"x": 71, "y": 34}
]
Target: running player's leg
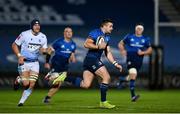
[
  {"x": 103, "y": 73},
  {"x": 24, "y": 74},
  {"x": 33, "y": 68},
  {"x": 132, "y": 77},
  {"x": 56, "y": 83},
  {"x": 23, "y": 78},
  {"x": 53, "y": 90},
  {"x": 87, "y": 79},
  {"x": 33, "y": 76},
  {"x": 25, "y": 83}
]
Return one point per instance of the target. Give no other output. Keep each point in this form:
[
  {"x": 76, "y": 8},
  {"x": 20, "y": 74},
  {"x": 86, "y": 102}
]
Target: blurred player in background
[
  {"x": 134, "y": 47},
  {"x": 97, "y": 43},
  {"x": 64, "y": 53},
  {"x": 31, "y": 42}
]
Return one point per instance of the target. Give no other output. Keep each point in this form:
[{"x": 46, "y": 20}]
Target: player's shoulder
[
  {"x": 42, "y": 35},
  {"x": 59, "y": 39},
  {"x": 72, "y": 41},
  {"x": 129, "y": 35},
  {"x": 95, "y": 31},
  {"x": 26, "y": 32},
  {"x": 146, "y": 37}
]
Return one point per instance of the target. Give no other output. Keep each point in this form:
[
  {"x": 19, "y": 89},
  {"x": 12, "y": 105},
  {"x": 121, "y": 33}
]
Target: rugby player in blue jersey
[
  {"x": 134, "y": 47},
  {"x": 97, "y": 42},
  {"x": 64, "y": 53}
]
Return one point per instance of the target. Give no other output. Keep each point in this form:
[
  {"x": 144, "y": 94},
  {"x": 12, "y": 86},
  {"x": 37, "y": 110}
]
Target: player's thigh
[
  {"x": 34, "y": 67},
  {"x": 103, "y": 73},
  {"x": 25, "y": 78},
  {"x": 34, "y": 73},
  {"x": 87, "y": 78},
  {"x": 24, "y": 73}
]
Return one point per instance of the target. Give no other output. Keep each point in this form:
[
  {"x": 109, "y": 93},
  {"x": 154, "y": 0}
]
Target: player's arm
[
  {"x": 148, "y": 51},
  {"x": 44, "y": 47},
  {"x": 48, "y": 54},
  {"x": 110, "y": 57},
  {"x": 15, "y": 49},
  {"x": 72, "y": 58},
  {"x": 121, "y": 46},
  {"x": 89, "y": 43}
]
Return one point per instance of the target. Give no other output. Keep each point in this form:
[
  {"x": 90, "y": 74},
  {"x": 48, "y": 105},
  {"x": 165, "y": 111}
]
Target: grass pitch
[{"x": 87, "y": 101}]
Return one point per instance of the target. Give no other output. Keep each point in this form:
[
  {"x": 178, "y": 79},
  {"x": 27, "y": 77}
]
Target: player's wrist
[
  {"x": 19, "y": 55},
  {"x": 144, "y": 53},
  {"x": 115, "y": 63},
  {"x": 97, "y": 47}
]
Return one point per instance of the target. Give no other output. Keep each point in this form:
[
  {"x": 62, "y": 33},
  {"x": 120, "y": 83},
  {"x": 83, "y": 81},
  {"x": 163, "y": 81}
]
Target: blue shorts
[
  {"x": 132, "y": 64},
  {"x": 59, "y": 64},
  {"x": 92, "y": 64},
  {"x": 134, "y": 61}
]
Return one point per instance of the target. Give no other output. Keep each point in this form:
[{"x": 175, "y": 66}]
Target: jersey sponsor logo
[
  {"x": 62, "y": 46},
  {"x": 131, "y": 39},
  {"x": 143, "y": 41},
  {"x": 72, "y": 46},
  {"x": 33, "y": 46},
  {"x": 67, "y": 51},
  {"x": 136, "y": 45}
]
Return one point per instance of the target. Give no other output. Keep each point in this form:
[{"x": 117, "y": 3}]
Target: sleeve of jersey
[
  {"x": 19, "y": 40},
  {"x": 148, "y": 43},
  {"x": 125, "y": 39},
  {"x": 93, "y": 35},
  {"x": 54, "y": 44},
  {"x": 108, "y": 40},
  {"x": 74, "y": 48},
  {"x": 45, "y": 43}
]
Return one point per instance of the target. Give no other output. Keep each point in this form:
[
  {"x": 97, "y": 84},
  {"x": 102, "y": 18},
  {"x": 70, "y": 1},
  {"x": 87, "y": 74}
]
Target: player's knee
[
  {"x": 25, "y": 84},
  {"x": 31, "y": 85},
  {"x": 106, "y": 79},
  {"x": 132, "y": 73},
  {"x": 86, "y": 85}
]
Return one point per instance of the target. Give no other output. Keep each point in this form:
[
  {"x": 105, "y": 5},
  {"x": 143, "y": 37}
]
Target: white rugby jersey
[{"x": 30, "y": 44}]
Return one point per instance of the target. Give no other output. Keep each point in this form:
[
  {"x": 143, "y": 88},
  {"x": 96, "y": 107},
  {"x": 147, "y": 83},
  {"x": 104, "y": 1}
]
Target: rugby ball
[{"x": 99, "y": 40}]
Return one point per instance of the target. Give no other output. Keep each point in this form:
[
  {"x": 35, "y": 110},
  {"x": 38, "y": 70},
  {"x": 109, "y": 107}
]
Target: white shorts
[{"x": 29, "y": 66}]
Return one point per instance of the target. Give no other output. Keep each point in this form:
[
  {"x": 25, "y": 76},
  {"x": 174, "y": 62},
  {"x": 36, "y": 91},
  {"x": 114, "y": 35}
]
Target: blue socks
[
  {"x": 132, "y": 87},
  {"x": 103, "y": 90}
]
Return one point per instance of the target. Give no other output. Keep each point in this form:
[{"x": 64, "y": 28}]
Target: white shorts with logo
[{"x": 29, "y": 66}]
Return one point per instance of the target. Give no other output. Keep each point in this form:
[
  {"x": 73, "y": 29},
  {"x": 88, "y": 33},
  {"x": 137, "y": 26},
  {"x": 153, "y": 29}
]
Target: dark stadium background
[
  {"x": 158, "y": 82},
  {"x": 83, "y": 16}
]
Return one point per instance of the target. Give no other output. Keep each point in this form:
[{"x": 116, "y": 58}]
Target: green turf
[{"x": 86, "y": 101}]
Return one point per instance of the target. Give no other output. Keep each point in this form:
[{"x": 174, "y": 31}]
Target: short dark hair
[
  {"x": 139, "y": 23},
  {"x": 104, "y": 21}
]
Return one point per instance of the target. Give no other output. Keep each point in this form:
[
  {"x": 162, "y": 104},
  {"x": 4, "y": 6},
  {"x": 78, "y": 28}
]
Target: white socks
[{"x": 25, "y": 95}]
